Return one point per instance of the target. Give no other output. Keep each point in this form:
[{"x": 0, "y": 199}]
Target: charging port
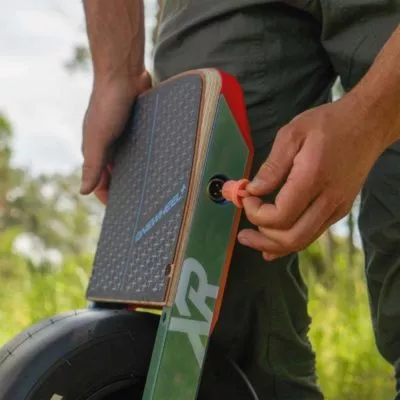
[{"x": 214, "y": 188}]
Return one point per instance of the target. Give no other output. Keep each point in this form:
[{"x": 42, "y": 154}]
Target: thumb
[{"x": 277, "y": 166}]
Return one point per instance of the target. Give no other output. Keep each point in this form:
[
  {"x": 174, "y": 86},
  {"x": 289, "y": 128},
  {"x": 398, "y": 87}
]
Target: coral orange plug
[{"x": 235, "y": 191}]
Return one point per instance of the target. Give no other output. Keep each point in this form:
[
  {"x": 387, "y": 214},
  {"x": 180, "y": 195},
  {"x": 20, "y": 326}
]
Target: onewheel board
[
  {"x": 166, "y": 242},
  {"x": 159, "y": 163}
]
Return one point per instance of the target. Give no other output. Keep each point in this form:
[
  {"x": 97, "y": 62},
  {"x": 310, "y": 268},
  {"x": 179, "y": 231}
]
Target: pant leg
[
  {"x": 354, "y": 33},
  {"x": 275, "y": 53},
  {"x": 380, "y": 230}
]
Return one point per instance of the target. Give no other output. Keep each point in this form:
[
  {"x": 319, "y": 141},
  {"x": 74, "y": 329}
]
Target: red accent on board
[{"x": 234, "y": 96}]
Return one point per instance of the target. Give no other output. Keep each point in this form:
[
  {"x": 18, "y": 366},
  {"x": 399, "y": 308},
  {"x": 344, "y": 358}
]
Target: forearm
[
  {"x": 116, "y": 35},
  {"x": 379, "y": 91}
]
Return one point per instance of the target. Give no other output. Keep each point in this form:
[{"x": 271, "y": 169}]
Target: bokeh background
[{"x": 48, "y": 232}]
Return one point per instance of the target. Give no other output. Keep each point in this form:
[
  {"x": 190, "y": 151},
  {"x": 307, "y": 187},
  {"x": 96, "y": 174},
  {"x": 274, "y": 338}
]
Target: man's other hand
[{"x": 109, "y": 107}]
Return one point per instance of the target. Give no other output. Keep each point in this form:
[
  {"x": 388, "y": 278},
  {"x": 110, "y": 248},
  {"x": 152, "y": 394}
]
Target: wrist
[
  {"x": 108, "y": 73},
  {"x": 379, "y": 91},
  {"x": 131, "y": 85},
  {"x": 378, "y": 112},
  {"x": 117, "y": 40}
]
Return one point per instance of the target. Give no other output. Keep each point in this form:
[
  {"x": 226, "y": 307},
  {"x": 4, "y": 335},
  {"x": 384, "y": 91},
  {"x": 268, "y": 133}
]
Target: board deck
[
  {"x": 159, "y": 162},
  {"x": 150, "y": 181}
]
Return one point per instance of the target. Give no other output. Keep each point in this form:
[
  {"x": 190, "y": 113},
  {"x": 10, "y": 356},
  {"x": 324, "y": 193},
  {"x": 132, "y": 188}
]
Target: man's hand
[
  {"x": 321, "y": 159},
  {"x": 116, "y": 36},
  {"x": 105, "y": 119}
]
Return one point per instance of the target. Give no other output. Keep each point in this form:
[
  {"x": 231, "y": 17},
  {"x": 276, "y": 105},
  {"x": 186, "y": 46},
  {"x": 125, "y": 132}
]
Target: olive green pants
[{"x": 287, "y": 55}]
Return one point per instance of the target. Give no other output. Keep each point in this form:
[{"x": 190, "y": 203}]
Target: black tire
[
  {"x": 82, "y": 355},
  {"x": 99, "y": 355}
]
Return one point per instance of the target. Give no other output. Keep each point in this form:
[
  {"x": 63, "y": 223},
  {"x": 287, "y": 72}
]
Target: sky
[{"x": 43, "y": 100}]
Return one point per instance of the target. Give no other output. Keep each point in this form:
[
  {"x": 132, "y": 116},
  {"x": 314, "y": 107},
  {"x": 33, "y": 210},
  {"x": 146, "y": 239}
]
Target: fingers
[
  {"x": 105, "y": 119},
  {"x": 278, "y": 164},
  {"x": 335, "y": 218},
  {"x": 93, "y": 166},
  {"x": 292, "y": 200},
  {"x": 109, "y": 109},
  {"x": 257, "y": 241},
  {"x": 275, "y": 242},
  {"x": 101, "y": 190},
  {"x": 95, "y": 145}
]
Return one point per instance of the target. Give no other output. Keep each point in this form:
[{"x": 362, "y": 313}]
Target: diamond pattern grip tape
[{"x": 149, "y": 185}]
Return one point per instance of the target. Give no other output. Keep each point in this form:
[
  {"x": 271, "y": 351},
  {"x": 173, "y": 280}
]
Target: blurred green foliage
[
  {"x": 48, "y": 271},
  {"x": 348, "y": 363},
  {"x": 47, "y": 237}
]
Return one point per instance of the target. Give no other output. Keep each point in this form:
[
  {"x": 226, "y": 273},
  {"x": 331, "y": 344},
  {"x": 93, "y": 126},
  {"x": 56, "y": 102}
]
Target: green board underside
[{"x": 182, "y": 338}]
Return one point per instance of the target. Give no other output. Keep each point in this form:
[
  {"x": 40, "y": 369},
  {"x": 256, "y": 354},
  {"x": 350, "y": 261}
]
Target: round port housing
[{"x": 214, "y": 188}]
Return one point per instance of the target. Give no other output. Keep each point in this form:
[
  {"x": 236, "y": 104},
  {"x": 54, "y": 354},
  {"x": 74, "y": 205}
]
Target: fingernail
[
  {"x": 243, "y": 239},
  {"x": 84, "y": 187},
  {"x": 269, "y": 257},
  {"x": 88, "y": 179},
  {"x": 85, "y": 184},
  {"x": 256, "y": 184}
]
